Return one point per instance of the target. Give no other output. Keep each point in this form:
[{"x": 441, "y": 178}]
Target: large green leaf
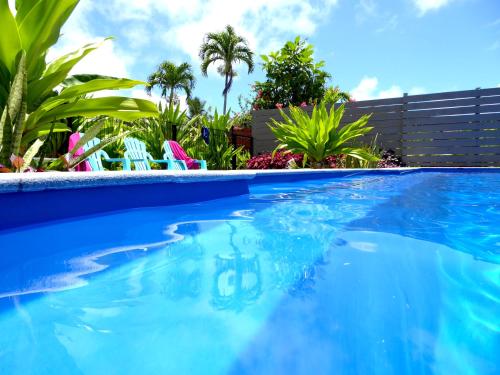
[
  {"x": 78, "y": 79},
  {"x": 97, "y": 85},
  {"x": 56, "y": 73},
  {"x": 43, "y": 130},
  {"x": 39, "y": 29},
  {"x": 31, "y": 152},
  {"x": 125, "y": 109},
  {"x": 10, "y": 42},
  {"x": 23, "y": 7}
]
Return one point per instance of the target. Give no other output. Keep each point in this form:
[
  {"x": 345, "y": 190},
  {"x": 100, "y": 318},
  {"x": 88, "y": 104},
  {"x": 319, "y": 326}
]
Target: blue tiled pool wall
[
  {"x": 32, "y": 207},
  {"x": 25, "y": 208}
]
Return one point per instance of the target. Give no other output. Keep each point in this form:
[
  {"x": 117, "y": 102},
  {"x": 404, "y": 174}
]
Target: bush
[
  {"x": 292, "y": 77},
  {"x": 389, "y": 159},
  {"x": 281, "y": 160}
]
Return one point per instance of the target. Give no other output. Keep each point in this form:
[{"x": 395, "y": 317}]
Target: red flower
[
  {"x": 279, "y": 105},
  {"x": 259, "y": 94},
  {"x": 303, "y": 104}
]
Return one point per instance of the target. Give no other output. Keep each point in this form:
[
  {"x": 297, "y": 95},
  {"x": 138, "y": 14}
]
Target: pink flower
[
  {"x": 259, "y": 94},
  {"x": 279, "y": 105},
  {"x": 303, "y": 104}
]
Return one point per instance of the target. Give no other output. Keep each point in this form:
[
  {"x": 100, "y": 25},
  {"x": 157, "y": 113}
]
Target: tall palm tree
[
  {"x": 226, "y": 48},
  {"x": 170, "y": 78}
]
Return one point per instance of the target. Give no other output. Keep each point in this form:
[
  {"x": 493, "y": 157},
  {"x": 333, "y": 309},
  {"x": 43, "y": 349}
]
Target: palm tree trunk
[
  {"x": 225, "y": 94},
  {"x": 171, "y": 98}
]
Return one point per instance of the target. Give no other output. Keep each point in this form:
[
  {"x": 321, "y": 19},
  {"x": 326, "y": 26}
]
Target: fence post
[
  {"x": 478, "y": 96},
  {"x": 234, "y": 144},
  {"x": 403, "y": 126},
  {"x": 174, "y": 133}
]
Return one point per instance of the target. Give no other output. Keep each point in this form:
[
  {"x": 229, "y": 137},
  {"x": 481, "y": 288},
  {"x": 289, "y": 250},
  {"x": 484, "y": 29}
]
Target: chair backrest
[
  {"x": 137, "y": 153},
  {"x": 94, "y": 159},
  {"x": 169, "y": 155}
]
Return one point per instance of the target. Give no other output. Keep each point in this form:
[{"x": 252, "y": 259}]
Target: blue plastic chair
[
  {"x": 95, "y": 160},
  {"x": 138, "y": 155},
  {"x": 169, "y": 155}
]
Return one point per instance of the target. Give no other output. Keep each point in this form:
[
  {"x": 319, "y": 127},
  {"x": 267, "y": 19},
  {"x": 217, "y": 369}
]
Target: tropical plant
[
  {"x": 335, "y": 95},
  {"x": 170, "y": 78},
  {"x": 30, "y": 104},
  {"x": 349, "y": 161},
  {"x": 226, "y": 48},
  {"x": 219, "y": 152},
  {"x": 292, "y": 77},
  {"x": 242, "y": 159},
  {"x": 111, "y": 128},
  {"x": 320, "y": 135},
  {"x": 154, "y": 131}
]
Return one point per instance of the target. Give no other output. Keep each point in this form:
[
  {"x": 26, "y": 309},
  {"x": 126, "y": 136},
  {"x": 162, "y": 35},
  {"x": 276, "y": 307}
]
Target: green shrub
[{"x": 319, "y": 135}]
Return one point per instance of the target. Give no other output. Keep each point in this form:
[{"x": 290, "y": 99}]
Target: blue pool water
[{"x": 355, "y": 275}]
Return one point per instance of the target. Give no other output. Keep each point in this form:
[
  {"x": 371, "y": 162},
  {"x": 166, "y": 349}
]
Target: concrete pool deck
[{"x": 29, "y": 182}]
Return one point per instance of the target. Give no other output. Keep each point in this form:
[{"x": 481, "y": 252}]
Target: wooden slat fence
[{"x": 459, "y": 128}]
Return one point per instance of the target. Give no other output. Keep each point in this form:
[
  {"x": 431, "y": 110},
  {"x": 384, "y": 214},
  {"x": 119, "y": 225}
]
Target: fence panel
[{"x": 459, "y": 128}]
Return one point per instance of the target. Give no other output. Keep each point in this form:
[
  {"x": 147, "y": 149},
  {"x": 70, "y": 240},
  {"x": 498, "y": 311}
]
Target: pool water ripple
[{"x": 358, "y": 275}]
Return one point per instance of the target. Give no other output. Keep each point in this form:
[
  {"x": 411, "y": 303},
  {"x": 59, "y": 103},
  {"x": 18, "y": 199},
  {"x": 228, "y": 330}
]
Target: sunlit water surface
[{"x": 359, "y": 275}]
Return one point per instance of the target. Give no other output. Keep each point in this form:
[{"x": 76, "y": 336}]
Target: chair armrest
[
  {"x": 125, "y": 161},
  {"x": 202, "y": 163},
  {"x": 160, "y": 161}
]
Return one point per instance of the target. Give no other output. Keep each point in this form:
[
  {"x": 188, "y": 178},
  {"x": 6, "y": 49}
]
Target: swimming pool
[{"x": 367, "y": 274}]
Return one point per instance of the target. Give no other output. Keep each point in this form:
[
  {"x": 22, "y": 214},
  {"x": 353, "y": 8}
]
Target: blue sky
[{"x": 372, "y": 48}]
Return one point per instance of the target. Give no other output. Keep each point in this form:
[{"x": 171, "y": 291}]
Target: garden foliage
[
  {"x": 36, "y": 97},
  {"x": 320, "y": 135},
  {"x": 292, "y": 77}
]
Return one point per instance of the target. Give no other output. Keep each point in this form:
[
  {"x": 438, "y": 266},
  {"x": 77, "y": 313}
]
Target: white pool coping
[{"x": 26, "y": 182}]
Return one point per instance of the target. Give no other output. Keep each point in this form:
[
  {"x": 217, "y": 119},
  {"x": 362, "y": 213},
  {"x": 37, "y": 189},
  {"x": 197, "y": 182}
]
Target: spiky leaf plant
[{"x": 320, "y": 135}]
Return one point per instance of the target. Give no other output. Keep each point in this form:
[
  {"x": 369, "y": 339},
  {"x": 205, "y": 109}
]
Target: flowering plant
[{"x": 280, "y": 160}]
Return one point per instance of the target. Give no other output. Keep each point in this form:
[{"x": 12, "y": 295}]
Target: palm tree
[
  {"x": 170, "y": 78},
  {"x": 226, "y": 48},
  {"x": 196, "y": 106}
]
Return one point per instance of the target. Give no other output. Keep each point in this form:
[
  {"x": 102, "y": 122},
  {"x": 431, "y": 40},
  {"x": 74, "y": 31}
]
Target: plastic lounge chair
[
  {"x": 173, "y": 151},
  {"x": 95, "y": 160},
  {"x": 138, "y": 155}
]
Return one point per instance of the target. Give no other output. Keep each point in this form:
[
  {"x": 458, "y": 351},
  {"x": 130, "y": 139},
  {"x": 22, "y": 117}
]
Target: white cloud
[
  {"x": 365, "y": 89},
  {"x": 106, "y": 60},
  {"x": 425, "y": 6},
  {"x": 365, "y": 9},
  {"x": 155, "y": 98},
  {"x": 498, "y": 85},
  {"x": 368, "y": 88},
  {"x": 261, "y": 22}
]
